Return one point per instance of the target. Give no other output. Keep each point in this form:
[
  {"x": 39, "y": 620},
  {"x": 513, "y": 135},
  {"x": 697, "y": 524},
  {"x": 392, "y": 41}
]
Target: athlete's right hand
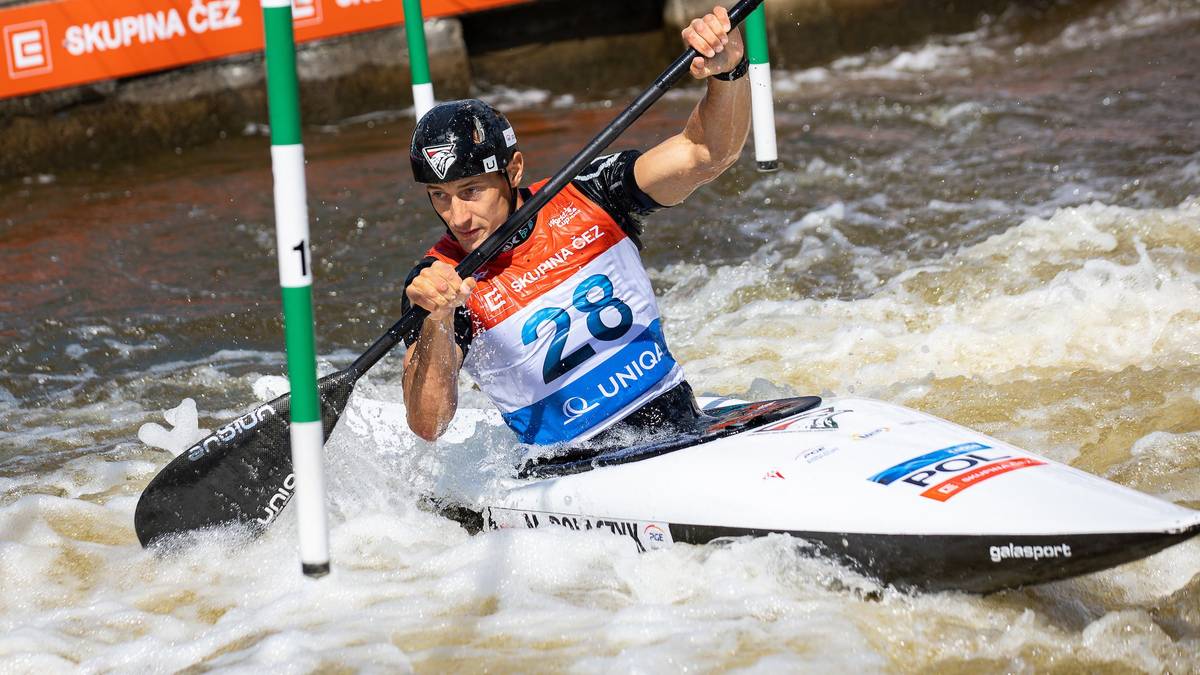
[{"x": 439, "y": 290}]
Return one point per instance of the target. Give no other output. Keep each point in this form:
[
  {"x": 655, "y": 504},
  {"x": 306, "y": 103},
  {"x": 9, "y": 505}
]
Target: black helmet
[{"x": 459, "y": 139}]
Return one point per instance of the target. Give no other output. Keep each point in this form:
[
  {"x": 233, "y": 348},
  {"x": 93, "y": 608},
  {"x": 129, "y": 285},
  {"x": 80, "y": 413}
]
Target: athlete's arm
[
  {"x": 431, "y": 364},
  {"x": 717, "y": 128}
]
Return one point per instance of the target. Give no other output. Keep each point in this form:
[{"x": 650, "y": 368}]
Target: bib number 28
[{"x": 591, "y": 297}]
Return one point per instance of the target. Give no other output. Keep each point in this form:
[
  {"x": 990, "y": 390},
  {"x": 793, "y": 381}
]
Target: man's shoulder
[
  {"x": 607, "y": 170},
  {"x": 609, "y": 182}
]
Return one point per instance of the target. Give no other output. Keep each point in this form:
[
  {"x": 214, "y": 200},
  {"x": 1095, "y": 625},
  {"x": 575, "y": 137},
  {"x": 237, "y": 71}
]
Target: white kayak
[{"x": 908, "y": 498}]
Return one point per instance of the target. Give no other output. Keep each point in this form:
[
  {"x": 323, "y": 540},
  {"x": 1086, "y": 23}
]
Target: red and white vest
[{"x": 567, "y": 334}]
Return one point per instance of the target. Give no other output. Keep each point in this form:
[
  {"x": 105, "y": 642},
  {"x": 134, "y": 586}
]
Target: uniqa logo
[
  {"x": 279, "y": 500},
  {"x": 576, "y": 406},
  {"x": 230, "y": 431},
  {"x": 633, "y": 371}
]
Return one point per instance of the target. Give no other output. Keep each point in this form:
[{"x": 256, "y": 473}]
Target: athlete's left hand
[{"x": 719, "y": 45}]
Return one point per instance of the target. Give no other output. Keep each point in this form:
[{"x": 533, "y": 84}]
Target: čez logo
[
  {"x": 27, "y": 46},
  {"x": 307, "y": 12}
]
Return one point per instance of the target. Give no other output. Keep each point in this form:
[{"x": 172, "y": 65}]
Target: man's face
[{"x": 472, "y": 207}]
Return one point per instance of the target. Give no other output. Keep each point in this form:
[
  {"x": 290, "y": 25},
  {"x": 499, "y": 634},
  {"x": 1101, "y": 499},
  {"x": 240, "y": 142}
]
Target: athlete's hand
[
  {"x": 719, "y": 45},
  {"x": 440, "y": 290}
]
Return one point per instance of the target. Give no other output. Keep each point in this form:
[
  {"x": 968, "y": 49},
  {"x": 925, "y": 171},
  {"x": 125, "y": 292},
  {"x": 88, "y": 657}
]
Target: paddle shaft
[{"x": 413, "y": 318}]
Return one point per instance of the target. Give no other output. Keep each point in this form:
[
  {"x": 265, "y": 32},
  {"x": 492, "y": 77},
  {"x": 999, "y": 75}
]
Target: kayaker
[{"x": 561, "y": 330}]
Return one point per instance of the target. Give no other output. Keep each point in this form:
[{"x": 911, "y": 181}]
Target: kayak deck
[{"x": 713, "y": 425}]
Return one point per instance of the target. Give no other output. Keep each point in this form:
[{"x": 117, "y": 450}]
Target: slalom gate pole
[
  {"x": 418, "y": 58},
  {"x": 295, "y": 279},
  {"x": 761, "y": 101}
]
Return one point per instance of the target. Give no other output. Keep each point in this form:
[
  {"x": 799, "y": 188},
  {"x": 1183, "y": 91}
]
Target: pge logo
[
  {"x": 655, "y": 534},
  {"x": 306, "y": 12},
  {"x": 28, "y": 48}
]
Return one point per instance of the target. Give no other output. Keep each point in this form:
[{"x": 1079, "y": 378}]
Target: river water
[{"x": 1001, "y": 228}]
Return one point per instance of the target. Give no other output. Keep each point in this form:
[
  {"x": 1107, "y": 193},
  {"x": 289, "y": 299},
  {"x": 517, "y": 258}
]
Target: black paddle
[{"x": 242, "y": 473}]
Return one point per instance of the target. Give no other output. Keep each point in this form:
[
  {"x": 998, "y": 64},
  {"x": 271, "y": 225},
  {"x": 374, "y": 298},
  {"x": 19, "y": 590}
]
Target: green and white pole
[
  {"x": 761, "y": 101},
  {"x": 418, "y": 58},
  {"x": 295, "y": 279}
]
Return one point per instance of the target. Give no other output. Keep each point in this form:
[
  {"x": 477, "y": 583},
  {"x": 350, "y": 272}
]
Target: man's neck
[{"x": 526, "y": 228}]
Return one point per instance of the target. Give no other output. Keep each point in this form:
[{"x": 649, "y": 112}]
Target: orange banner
[{"x": 50, "y": 45}]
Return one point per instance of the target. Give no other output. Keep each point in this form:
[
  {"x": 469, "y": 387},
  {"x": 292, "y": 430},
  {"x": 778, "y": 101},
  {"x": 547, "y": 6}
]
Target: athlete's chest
[{"x": 564, "y": 242}]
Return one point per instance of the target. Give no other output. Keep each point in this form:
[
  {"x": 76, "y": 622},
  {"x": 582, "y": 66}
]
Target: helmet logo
[
  {"x": 489, "y": 164},
  {"x": 440, "y": 157},
  {"x": 478, "y": 136}
]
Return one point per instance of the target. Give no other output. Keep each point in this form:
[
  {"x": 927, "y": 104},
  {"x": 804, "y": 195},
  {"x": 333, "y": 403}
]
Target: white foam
[
  {"x": 412, "y": 590},
  {"x": 269, "y": 387},
  {"x": 1091, "y": 289},
  {"x": 1096, "y": 287},
  {"x": 1121, "y": 21},
  {"x": 184, "y": 432},
  {"x": 994, "y": 41},
  {"x": 508, "y": 99}
]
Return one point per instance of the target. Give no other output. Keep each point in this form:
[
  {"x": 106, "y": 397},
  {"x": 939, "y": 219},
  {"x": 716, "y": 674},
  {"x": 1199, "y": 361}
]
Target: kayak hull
[
  {"x": 972, "y": 563},
  {"x": 907, "y": 498}
]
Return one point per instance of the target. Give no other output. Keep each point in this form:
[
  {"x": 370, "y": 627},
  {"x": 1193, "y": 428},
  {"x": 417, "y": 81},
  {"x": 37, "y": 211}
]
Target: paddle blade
[{"x": 241, "y": 474}]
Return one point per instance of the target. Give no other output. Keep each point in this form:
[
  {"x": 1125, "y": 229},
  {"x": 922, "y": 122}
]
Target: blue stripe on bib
[{"x": 596, "y": 396}]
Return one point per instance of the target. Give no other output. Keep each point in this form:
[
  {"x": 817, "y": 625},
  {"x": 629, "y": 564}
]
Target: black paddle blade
[{"x": 242, "y": 473}]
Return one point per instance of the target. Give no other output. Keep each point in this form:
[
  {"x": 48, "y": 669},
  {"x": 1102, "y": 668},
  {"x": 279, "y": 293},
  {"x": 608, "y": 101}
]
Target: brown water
[{"x": 1001, "y": 228}]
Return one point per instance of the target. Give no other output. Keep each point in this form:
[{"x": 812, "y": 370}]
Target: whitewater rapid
[{"x": 963, "y": 226}]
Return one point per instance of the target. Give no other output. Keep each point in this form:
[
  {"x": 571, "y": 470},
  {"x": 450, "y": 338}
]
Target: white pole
[
  {"x": 761, "y": 101},
  {"x": 295, "y": 280}
]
